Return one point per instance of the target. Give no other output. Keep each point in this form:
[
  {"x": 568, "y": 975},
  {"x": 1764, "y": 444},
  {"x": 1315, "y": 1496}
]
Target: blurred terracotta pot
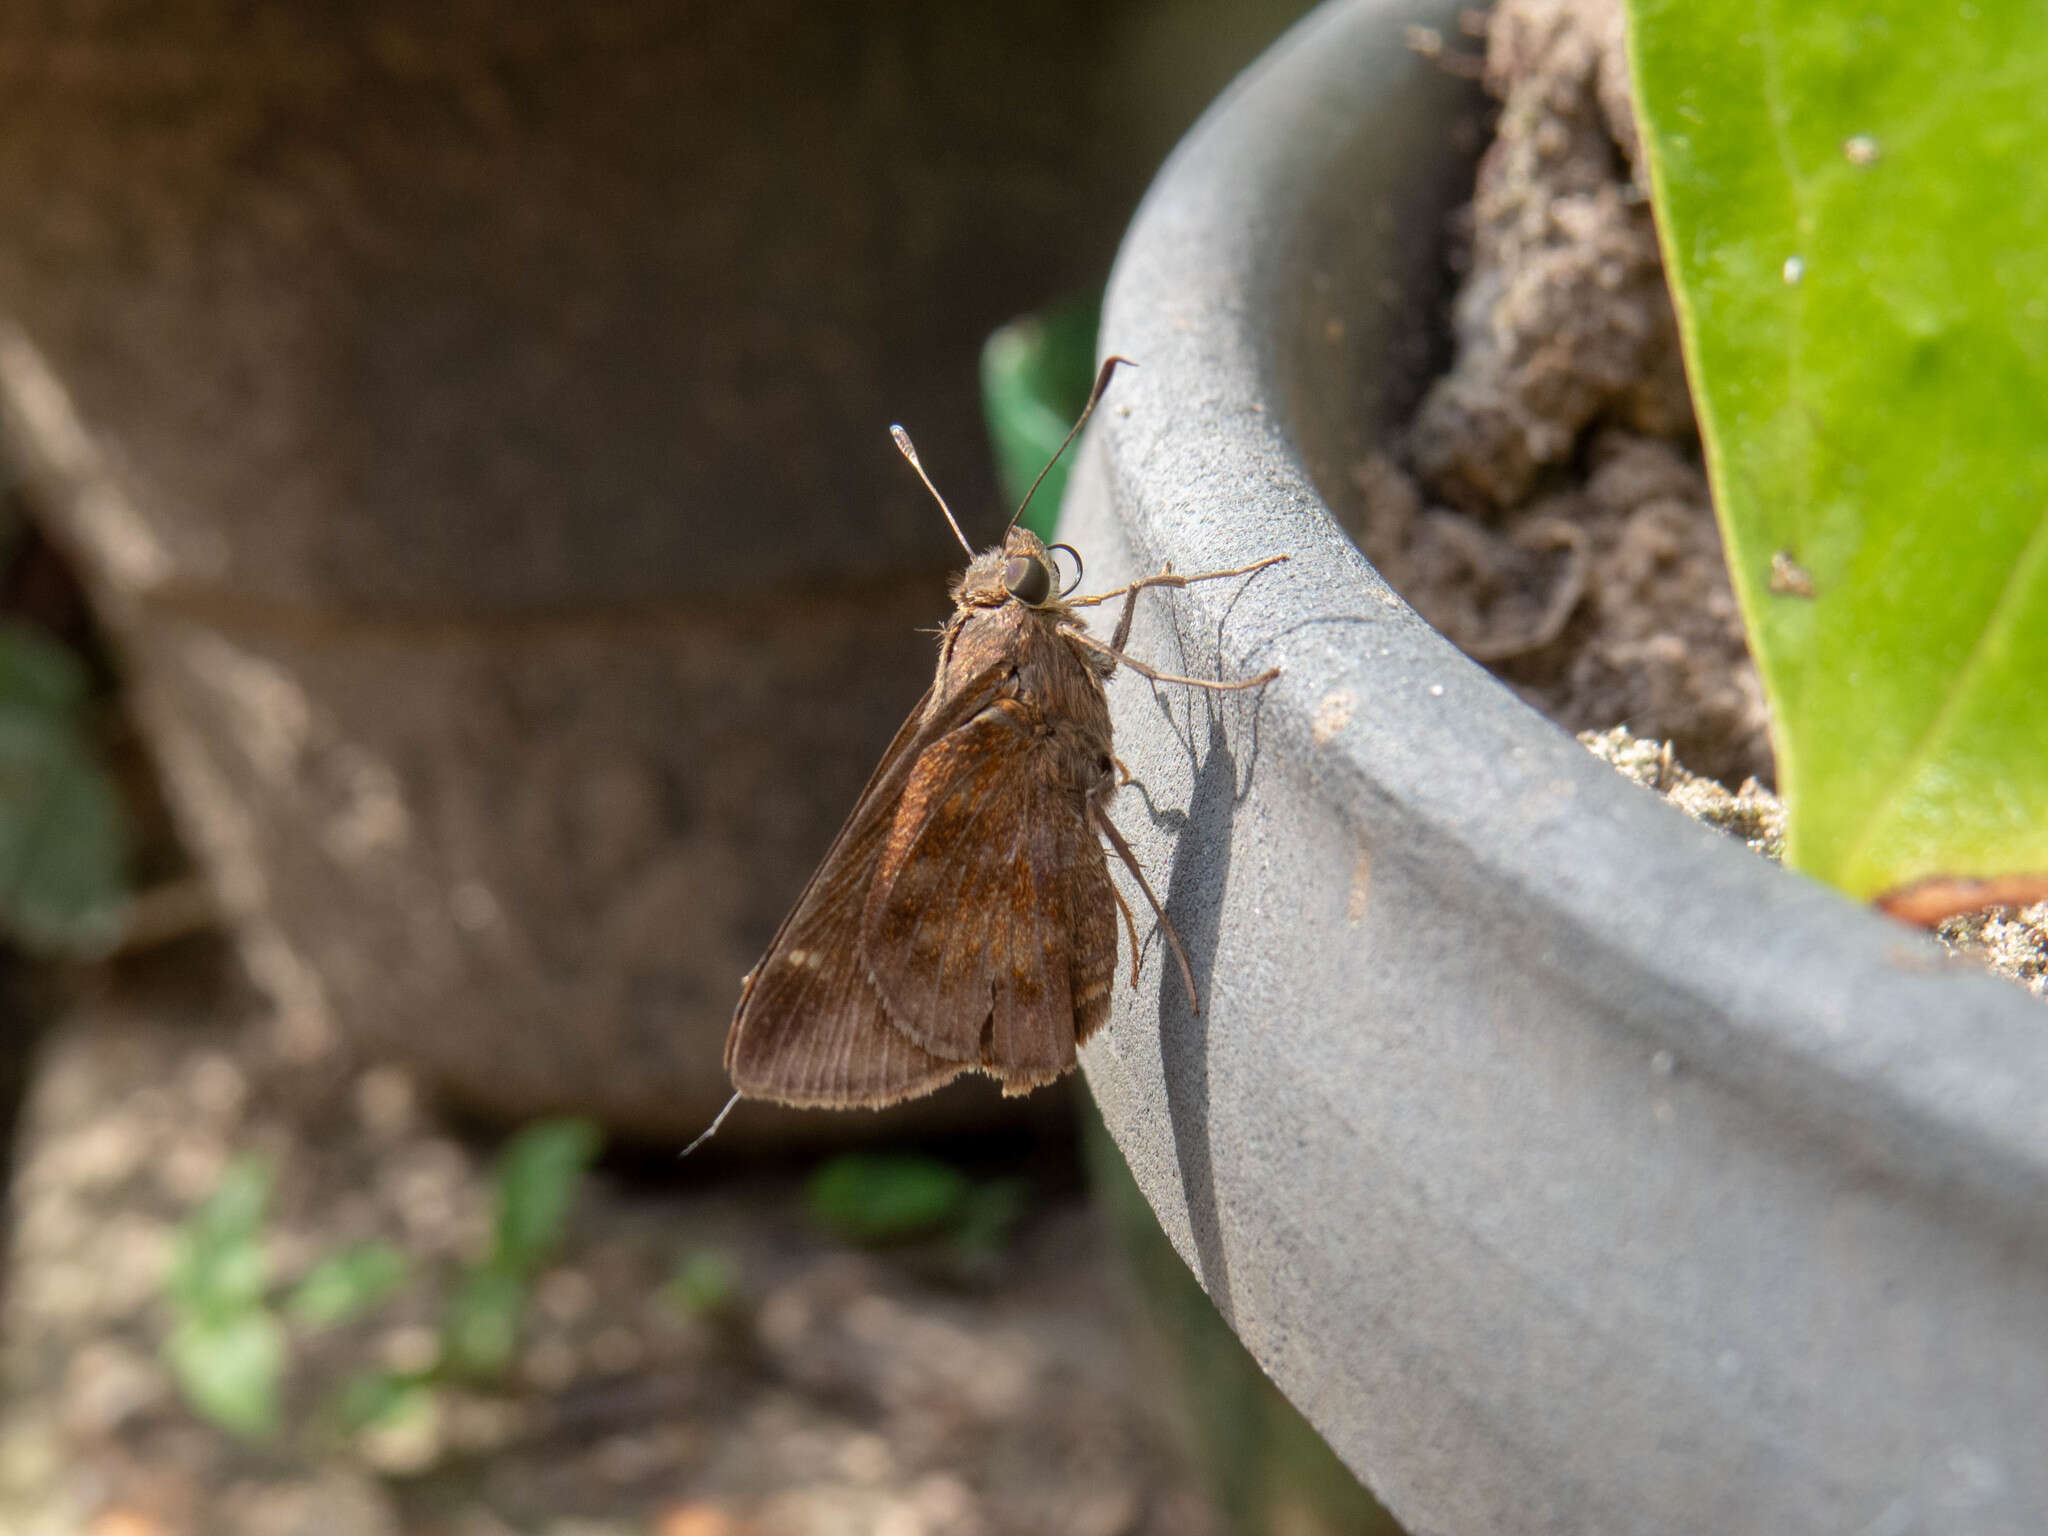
[{"x": 475, "y": 440}]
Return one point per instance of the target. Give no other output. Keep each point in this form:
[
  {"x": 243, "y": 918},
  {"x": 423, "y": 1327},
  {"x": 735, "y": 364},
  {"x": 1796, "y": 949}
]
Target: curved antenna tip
[
  {"x": 1110, "y": 365},
  {"x": 908, "y": 449}
]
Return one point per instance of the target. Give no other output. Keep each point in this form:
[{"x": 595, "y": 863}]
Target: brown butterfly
[{"x": 964, "y": 919}]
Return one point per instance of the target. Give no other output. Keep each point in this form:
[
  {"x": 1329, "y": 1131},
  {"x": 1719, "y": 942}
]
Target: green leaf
[
  {"x": 1855, "y": 223},
  {"x": 873, "y": 1197},
  {"x": 991, "y": 1213},
  {"x": 536, "y": 1180},
  {"x": 480, "y": 1333},
  {"x": 225, "y": 1349},
  {"x": 346, "y": 1285},
  {"x": 229, "y": 1368},
  {"x": 37, "y": 673},
  {"x": 705, "y": 1284},
  {"x": 63, "y": 842},
  {"x": 219, "y": 1267},
  {"x": 1035, "y": 376},
  {"x": 380, "y": 1399}
]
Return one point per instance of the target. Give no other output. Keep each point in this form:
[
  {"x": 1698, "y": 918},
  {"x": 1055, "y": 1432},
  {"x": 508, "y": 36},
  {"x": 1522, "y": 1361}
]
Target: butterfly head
[{"x": 1021, "y": 569}]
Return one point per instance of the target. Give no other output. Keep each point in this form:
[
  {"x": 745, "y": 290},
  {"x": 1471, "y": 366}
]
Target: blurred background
[{"x": 454, "y": 579}]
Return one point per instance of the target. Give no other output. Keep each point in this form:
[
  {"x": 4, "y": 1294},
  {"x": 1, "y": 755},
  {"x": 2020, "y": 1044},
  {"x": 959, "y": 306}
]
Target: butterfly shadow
[
  {"x": 1194, "y": 903},
  {"x": 1205, "y": 725}
]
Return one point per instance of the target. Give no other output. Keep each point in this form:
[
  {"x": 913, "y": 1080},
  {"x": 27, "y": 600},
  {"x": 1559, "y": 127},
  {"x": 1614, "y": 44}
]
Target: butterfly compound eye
[{"x": 1028, "y": 580}]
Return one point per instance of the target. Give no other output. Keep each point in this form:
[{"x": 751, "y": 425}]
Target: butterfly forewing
[
  {"x": 1003, "y": 960},
  {"x": 810, "y": 1028}
]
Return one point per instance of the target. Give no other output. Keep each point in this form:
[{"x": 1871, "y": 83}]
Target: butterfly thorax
[{"x": 1054, "y": 681}]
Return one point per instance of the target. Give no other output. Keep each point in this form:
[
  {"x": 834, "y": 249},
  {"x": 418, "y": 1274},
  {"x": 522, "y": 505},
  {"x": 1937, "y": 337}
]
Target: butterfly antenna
[
  {"x": 710, "y": 1130},
  {"x": 904, "y": 446},
  {"x": 1109, "y": 365}
]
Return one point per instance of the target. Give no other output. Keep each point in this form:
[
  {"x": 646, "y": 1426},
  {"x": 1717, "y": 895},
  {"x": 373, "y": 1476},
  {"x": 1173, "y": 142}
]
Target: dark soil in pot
[
  {"x": 696, "y": 1358},
  {"x": 1546, "y": 506}
]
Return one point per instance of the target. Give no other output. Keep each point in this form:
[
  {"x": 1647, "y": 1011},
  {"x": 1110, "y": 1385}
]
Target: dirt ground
[{"x": 820, "y": 1388}]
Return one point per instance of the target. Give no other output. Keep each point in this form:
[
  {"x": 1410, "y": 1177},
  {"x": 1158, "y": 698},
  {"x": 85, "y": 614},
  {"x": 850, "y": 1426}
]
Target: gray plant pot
[{"x": 1573, "y": 1169}]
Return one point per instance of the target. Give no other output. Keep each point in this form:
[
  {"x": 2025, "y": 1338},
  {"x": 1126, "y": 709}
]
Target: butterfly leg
[
  {"x": 1166, "y": 578},
  {"x": 1157, "y": 676},
  {"x": 1131, "y": 926},
  {"x": 1102, "y": 823},
  {"x": 1122, "y": 634}
]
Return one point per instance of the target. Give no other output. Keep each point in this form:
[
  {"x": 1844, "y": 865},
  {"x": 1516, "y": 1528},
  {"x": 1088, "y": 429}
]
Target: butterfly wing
[
  {"x": 1004, "y": 959},
  {"x": 810, "y": 1028}
]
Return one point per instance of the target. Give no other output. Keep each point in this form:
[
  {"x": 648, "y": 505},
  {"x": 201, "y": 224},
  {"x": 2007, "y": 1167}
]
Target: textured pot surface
[{"x": 1572, "y": 1169}]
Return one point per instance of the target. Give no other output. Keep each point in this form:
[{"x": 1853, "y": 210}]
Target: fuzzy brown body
[{"x": 964, "y": 919}]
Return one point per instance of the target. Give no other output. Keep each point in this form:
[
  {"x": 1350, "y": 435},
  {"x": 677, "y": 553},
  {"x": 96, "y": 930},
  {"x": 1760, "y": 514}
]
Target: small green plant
[
  {"x": 63, "y": 840},
  {"x": 226, "y": 1347},
  {"x": 874, "y": 1199},
  {"x": 871, "y": 1198},
  {"x": 229, "y": 1343},
  {"x": 345, "y": 1285},
  {"x": 705, "y": 1285},
  {"x": 535, "y": 1184},
  {"x": 1855, "y": 227}
]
